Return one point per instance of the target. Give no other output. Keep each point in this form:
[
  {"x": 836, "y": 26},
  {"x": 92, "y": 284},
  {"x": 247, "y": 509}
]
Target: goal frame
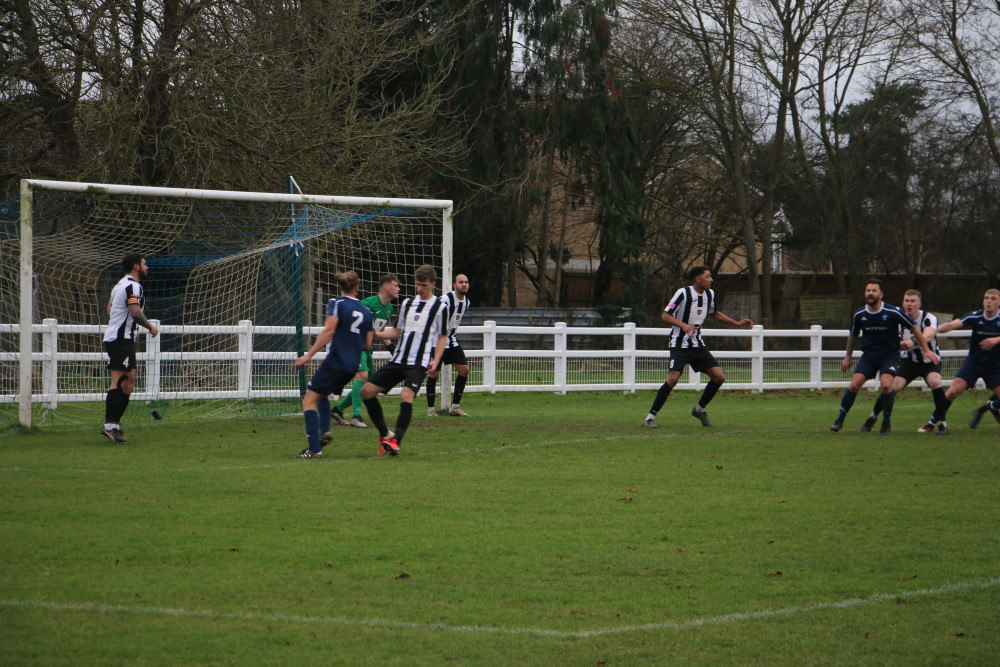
[{"x": 26, "y": 245}]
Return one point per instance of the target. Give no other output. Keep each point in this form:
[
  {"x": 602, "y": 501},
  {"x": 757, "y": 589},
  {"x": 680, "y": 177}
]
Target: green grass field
[{"x": 544, "y": 530}]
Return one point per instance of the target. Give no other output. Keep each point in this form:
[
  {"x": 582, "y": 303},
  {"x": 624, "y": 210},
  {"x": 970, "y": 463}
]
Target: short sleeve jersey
[
  {"x": 982, "y": 327},
  {"x": 455, "y": 308},
  {"x": 354, "y": 321},
  {"x": 880, "y": 331},
  {"x": 924, "y": 320},
  {"x": 382, "y": 313},
  {"x": 421, "y": 322},
  {"x": 690, "y": 307},
  {"x": 125, "y": 293}
]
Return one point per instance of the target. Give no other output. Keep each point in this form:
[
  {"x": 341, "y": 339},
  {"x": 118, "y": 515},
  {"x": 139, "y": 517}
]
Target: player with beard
[
  {"x": 456, "y": 304},
  {"x": 879, "y": 326},
  {"x": 125, "y": 314},
  {"x": 912, "y": 363}
]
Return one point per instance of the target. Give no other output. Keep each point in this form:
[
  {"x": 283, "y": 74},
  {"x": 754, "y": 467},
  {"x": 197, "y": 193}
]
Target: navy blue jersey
[
  {"x": 982, "y": 327},
  {"x": 880, "y": 331},
  {"x": 354, "y": 321}
]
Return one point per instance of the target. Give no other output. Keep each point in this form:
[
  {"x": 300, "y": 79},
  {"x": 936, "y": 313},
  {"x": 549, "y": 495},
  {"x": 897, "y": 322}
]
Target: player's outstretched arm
[
  {"x": 324, "y": 337},
  {"x": 956, "y": 323},
  {"x": 722, "y": 317}
]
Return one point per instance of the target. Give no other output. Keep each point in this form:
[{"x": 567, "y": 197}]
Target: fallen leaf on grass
[
  {"x": 718, "y": 467},
  {"x": 403, "y": 575},
  {"x": 632, "y": 490},
  {"x": 908, "y": 578},
  {"x": 630, "y": 548},
  {"x": 959, "y": 634},
  {"x": 681, "y": 549},
  {"x": 577, "y": 611},
  {"x": 235, "y": 549},
  {"x": 776, "y": 573},
  {"x": 920, "y": 485},
  {"x": 625, "y": 499}
]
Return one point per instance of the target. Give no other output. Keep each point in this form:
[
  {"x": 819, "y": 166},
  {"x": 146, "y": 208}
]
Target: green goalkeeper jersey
[{"x": 381, "y": 314}]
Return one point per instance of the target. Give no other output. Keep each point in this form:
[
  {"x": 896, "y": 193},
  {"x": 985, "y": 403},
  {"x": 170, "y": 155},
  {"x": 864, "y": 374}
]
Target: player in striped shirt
[
  {"x": 456, "y": 304},
  {"x": 125, "y": 315},
  {"x": 347, "y": 331},
  {"x": 983, "y": 360},
  {"x": 421, "y": 326},
  {"x": 912, "y": 363},
  {"x": 879, "y": 325},
  {"x": 686, "y": 313}
]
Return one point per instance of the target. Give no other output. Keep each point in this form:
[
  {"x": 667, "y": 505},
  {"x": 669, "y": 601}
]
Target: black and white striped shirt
[
  {"x": 923, "y": 320},
  {"x": 690, "y": 307},
  {"x": 455, "y": 308},
  {"x": 421, "y": 322},
  {"x": 125, "y": 293}
]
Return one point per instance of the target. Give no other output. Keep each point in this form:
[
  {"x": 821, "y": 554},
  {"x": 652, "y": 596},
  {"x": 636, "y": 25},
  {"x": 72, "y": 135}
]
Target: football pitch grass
[{"x": 543, "y": 530}]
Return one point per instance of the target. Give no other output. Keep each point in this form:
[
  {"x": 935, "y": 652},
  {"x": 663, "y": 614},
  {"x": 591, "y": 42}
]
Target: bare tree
[
  {"x": 961, "y": 42},
  {"x": 220, "y": 93}
]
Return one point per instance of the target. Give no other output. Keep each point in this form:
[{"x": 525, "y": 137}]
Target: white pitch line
[{"x": 877, "y": 598}]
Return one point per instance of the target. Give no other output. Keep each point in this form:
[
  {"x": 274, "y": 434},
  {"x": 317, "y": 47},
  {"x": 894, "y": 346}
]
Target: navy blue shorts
[
  {"x": 329, "y": 380},
  {"x": 869, "y": 366},
  {"x": 970, "y": 372},
  {"x": 699, "y": 358},
  {"x": 390, "y": 374}
]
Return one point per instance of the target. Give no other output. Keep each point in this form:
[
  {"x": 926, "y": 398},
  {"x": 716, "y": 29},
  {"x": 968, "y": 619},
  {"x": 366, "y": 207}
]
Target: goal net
[{"x": 238, "y": 283}]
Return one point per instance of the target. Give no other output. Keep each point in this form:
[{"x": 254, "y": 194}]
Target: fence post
[
  {"x": 152, "y": 371},
  {"x": 50, "y": 364},
  {"x": 628, "y": 360},
  {"x": 816, "y": 358},
  {"x": 757, "y": 362},
  {"x": 559, "y": 346},
  {"x": 245, "y": 342},
  {"x": 490, "y": 356}
]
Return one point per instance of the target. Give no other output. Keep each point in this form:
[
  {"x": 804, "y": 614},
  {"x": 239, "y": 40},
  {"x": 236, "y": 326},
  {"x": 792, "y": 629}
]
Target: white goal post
[{"x": 217, "y": 259}]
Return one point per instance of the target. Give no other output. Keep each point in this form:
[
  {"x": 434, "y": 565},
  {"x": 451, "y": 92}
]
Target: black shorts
[
  {"x": 910, "y": 370},
  {"x": 390, "y": 374},
  {"x": 699, "y": 358},
  {"x": 121, "y": 354},
  {"x": 455, "y": 356},
  {"x": 329, "y": 380}
]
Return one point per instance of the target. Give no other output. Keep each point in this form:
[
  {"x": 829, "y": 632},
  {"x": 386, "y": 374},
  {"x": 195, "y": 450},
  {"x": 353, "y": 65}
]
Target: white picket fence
[{"x": 557, "y": 358}]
